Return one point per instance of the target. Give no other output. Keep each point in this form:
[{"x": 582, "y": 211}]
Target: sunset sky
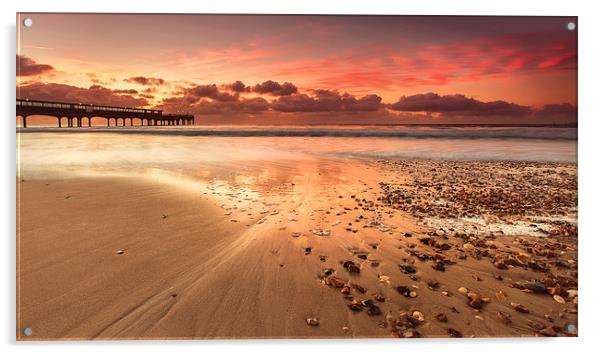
[{"x": 307, "y": 69}]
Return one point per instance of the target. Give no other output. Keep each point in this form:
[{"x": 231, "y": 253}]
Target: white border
[{"x": 590, "y": 128}]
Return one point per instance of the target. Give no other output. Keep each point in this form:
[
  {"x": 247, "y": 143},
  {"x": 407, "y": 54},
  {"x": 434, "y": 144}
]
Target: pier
[{"x": 81, "y": 115}]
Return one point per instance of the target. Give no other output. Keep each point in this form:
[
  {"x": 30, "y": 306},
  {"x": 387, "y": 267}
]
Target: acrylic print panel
[{"x": 226, "y": 176}]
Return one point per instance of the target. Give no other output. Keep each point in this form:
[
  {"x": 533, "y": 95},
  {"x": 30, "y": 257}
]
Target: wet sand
[{"x": 333, "y": 251}]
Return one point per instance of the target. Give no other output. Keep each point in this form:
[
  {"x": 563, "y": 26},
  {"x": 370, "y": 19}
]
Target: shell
[{"x": 418, "y": 315}]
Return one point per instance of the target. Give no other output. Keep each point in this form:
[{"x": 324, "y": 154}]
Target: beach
[{"x": 173, "y": 236}]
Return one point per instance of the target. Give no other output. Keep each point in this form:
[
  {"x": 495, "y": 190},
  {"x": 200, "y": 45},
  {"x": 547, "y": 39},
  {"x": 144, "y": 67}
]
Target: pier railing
[{"x": 75, "y": 113}]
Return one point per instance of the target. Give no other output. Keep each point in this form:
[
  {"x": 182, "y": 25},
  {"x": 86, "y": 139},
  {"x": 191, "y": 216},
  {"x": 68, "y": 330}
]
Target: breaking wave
[{"x": 404, "y": 132}]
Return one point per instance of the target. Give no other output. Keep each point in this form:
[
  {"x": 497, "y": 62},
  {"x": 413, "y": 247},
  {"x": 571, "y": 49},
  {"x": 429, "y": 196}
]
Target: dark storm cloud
[
  {"x": 256, "y": 104},
  {"x": 195, "y": 93},
  {"x": 66, "y": 93},
  {"x": 225, "y": 99},
  {"x": 457, "y": 105},
  {"x": 238, "y": 86},
  {"x": 252, "y": 105},
  {"x": 204, "y": 100},
  {"x": 274, "y": 88},
  {"x": 367, "y": 103},
  {"x": 207, "y": 99},
  {"x": 145, "y": 81},
  {"x": 126, "y": 91},
  {"x": 29, "y": 67},
  {"x": 203, "y": 91},
  {"x": 559, "y": 111},
  {"x": 326, "y": 101}
]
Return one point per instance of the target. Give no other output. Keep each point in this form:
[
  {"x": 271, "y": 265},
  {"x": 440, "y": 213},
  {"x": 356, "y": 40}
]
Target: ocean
[{"x": 58, "y": 153}]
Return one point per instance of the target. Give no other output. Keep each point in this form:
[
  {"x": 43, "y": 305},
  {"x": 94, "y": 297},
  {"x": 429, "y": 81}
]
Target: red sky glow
[{"x": 230, "y": 69}]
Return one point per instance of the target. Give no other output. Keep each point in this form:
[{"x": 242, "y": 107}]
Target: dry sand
[{"x": 125, "y": 258}]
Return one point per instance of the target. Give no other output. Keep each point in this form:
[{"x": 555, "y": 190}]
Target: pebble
[
  {"x": 120, "y": 252},
  {"x": 468, "y": 246},
  {"x": 312, "y": 321},
  {"x": 355, "y": 305},
  {"x": 359, "y": 288},
  {"x": 535, "y": 287},
  {"x": 410, "y": 333},
  {"x": 504, "y": 317},
  {"x": 559, "y": 299},
  {"x": 379, "y": 297},
  {"x": 367, "y": 303},
  {"x": 383, "y": 279},
  {"x": 500, "y": 265},
  {"x": 439, "y": 266},
  {"x": 334, "y": 282},
  {"x": 548, "y": 332},
  {"x": 404, "y": 290},
  {"x": 474, "y": 300},
  {"x": 418, "y": 315},
  {"x": 407, "y": 268},
  {"x": 321, "y": 232},
  {"x": 500, "y": 295},
  {"x": 327, "y": 271},
  {"x": 351, "y": 267},
  {"x": 538, "y": 326},
  {"x": 519, "y": 308},
  {"x": 374, "y": 311},
  {"x": 454, "y": 333},
  {"x": 432, "y": 284}
]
